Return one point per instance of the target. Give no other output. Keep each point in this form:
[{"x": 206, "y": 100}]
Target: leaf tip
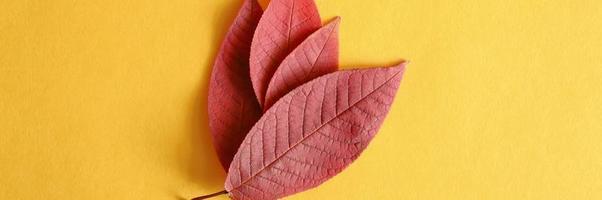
[
  {"x": 336, "y": 21},
  {"x": 401, "y": 67}
]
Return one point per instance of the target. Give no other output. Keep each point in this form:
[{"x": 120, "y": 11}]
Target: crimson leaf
[
  {"x": 316, "y": 56},
  {"x": 282, "y": 27},
  {"x": 232, "y": 106},
  {"x": 312, "y": 133}
]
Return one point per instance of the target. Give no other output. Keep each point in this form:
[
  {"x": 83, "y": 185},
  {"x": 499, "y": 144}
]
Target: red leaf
[
  {"x": 312, "y": 133},
  {"x": 233, "y": 108},
  {"x": 316, "y": 56},
  {"x": 282, "y": 27}
]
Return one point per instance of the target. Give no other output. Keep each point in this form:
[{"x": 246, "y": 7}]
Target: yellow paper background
[{"x": 106, "y": 99}]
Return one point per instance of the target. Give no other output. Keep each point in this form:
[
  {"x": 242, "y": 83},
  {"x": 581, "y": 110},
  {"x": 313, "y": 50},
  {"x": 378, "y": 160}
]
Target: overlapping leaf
[
  {"x": 315, "y": 56},
  {"x": 233, "y": 108},
  {"x": 312, "y": 133},
  {"x": 282, "y": 27}
]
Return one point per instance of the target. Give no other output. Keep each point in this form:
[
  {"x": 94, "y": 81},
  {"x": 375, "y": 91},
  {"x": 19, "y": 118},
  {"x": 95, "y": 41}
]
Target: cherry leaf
[
  {"x": 232, "y": 106},
  {"x": 284, "y": 25},
  {"x": 312, "y": 133},
  {"x": 316, "y": 56}
]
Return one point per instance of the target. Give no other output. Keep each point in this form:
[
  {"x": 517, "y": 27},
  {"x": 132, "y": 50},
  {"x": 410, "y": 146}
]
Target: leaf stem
[{"x": 211, "y": 195}]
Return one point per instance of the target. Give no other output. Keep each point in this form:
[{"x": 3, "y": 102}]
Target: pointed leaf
[
  {"x": 315, "y": 56},
  {"x": 232, "y": 106},
  {"x": 283, "y": 26},
  {"x": 312, "y": 133}
]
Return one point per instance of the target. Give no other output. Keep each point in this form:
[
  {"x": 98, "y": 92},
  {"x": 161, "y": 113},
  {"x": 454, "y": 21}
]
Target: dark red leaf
[
  {"x": 233, "y": 108},
  {"x": 315, "y": 56},
  {"x": 312, "y": 133},
  {"x": 282, "y": 27}
]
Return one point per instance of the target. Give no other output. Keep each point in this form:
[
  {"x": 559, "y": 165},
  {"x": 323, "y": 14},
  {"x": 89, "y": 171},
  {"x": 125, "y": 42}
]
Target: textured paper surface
[{"x": 107, "y": 99}]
